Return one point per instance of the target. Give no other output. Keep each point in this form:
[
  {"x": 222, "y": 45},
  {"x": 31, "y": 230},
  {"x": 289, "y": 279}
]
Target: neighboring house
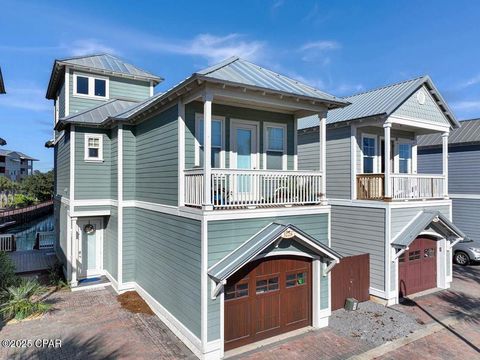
[
  {"x": 2, "y": 91},
  {"x": 382, "y": 205},
  {"x": 193, "y": 198},
  {"x": 463, "y": 173},
  {"x": 15, "y": 165}
]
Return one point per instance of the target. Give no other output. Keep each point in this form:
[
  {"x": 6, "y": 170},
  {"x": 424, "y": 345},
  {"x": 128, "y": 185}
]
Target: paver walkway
[{"x": 92, "y": 325}]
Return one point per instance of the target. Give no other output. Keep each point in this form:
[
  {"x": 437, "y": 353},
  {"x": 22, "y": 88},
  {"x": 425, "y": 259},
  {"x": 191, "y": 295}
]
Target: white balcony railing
[
  {"x": 417, "y": 186},
  {"x": 46, "y": 240},
  {"x": 7, "y": 242},
  {"x": 238, "y": 188}
]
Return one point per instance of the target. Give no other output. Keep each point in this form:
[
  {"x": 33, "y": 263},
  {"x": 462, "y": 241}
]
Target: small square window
[
  {"x": 82, "y": 85},
  {"x": 93, "y": 147}
]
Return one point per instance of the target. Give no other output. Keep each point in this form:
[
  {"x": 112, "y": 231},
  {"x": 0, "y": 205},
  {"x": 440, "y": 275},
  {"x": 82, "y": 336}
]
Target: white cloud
[
  {"x": 277, "y": 4},
  {"x": 346, "y": 89},
  {"x": 322, "y": 45},
  {"x": 87, "y": 47},
  {"x": 27, "y": 97},
  {"x": 466, "y": 105},
  {"x": 212, "y": 47},
  {"x": 474, "y": 80},
  {"x": 317, "y": 50}
]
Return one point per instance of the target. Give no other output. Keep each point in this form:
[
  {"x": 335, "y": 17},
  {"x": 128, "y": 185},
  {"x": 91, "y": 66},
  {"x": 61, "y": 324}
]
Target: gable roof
[
  {"x": 467, "y": 133},
  {"x": 104, "y": 63},
  {"x": 9, "y": 153},
  {"x": 258, "y": 243},
  {"x": 436, "y": 220},
  {"x": 2, "y": 84},
  {"x": 382, "y": 102}
]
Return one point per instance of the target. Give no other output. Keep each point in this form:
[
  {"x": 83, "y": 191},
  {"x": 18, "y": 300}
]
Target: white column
[
  {"x": 295, "y": 143},
  {"x": 323, "y": 154},
  {"x": 181, "y": 153},
  {"x": 207, "y": 151},
  {"x": 445, "y": 161},
  {"x": 75, "y": 240},
  {"x": 120, "y": 206},
  {"x": 386, "y": 159}
]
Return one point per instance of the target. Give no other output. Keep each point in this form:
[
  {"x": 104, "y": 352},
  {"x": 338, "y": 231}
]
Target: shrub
[
  {"x": 21, "y": 200},
  {"x": 18, "y": 302},
  {"x": 7, "y": 272},
  {"x": 56, "y": 277}
]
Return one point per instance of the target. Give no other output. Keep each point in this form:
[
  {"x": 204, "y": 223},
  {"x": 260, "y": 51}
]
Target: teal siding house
[
  {"x": 383, "y": 203},
  {"x": 193, "y": 197}
]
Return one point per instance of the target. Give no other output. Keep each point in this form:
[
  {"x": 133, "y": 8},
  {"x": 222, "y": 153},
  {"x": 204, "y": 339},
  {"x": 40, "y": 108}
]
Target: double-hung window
[
  {"x": 369, "y": 154},
  {"x": 275, "y": 147},
  {"x": 90, "y": 86},
  {"x": 93, "y": 147},
  {"x": 405, "y": 158},
  {"x": 217, "y": 148}
]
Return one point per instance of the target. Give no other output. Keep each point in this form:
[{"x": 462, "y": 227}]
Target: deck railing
[
  {"x": 403, "y": 186},
  {"x": 238, "y": 188},
  {"x": 7, "y": 242},
  {"x": 46, "y": 239}
]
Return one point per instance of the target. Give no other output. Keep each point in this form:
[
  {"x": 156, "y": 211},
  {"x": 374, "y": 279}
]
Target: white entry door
[
  {"x": 245, "y": 156},
  {"x": 90, "y": 261}
]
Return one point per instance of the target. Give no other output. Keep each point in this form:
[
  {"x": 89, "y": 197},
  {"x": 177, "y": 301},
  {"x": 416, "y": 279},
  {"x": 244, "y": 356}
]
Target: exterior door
[
  {"x": 417, "y": 267},
  {"x": 266, "y": 298},
  {"x": 90, "y": 248},
  {"x": 245, "y": 156}
]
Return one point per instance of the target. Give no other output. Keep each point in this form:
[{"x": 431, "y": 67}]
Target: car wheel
[{"x": 461, "y": 258}]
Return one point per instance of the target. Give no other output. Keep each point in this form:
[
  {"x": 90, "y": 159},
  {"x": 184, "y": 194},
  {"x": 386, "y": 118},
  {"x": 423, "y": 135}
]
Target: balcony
[
  {"x": 403, "y": 187},
  {"x": 249, "y": 189}
]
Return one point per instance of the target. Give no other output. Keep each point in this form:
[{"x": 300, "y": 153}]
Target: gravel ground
[{"x": 373, "y": 323}]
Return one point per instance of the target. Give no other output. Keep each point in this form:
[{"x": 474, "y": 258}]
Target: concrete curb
[{"x": 393, "y": 345}]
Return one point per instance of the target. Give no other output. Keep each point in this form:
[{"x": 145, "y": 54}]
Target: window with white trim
[
  {"x": 90, "y": 86},
  {"x": 275, "y": 148},
  {"x": 369, "y": 154},
  {"x": 217, "y": 147},
  {"x": 93, "y": 147},
  {"x": 404, "y": 158}
]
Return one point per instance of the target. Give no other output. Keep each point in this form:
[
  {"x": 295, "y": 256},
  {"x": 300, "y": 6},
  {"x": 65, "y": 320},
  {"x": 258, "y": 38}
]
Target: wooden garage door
[
  {"x": 418, "y": 267},
  {"x": 266, "y": 298}
]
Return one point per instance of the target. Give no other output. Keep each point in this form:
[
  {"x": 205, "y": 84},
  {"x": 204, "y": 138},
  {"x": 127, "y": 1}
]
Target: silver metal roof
[
  {"x": 258, "y": 243},
  {"x": 380, "y": 102},
  {"x": 468, "y": 132},
  {"x": 20, "y": 155},
  {"x": 136, "y": 108},
  {"x": 433, "y": 219},
  {"x": 2, "y": 84},
  {"x": 239, "y": 71},
  {"x": 98, "y": 114},
  {"x": 106, "y": 63}
]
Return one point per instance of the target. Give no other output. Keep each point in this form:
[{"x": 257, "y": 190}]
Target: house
[
  {"x": 15, "y": 165},
  {"x": 383, "y": 205},
  {"x": 463, "y": 164},
  {"x": 2, "y": 91},
  {"x": 193, "y": 198}
]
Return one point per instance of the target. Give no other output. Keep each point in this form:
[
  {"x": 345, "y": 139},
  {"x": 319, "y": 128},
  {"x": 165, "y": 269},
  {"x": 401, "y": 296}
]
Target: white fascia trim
[
  {"x": 91, "y": 213},
  {"x": 95, "y": 202},
  {"x": 465, "y": 196},
  {"x": 392, "y": 204},
  {"x": 417, "y": 123},
  {"x": 120, "y": 203},
  {"x": 180, "y": 330}
]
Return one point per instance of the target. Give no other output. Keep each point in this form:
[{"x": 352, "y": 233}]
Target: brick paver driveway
[{"x": 92, "y": 325}]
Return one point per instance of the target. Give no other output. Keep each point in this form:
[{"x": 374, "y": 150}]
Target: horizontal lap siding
[
  {"x": 128, "y": 89},
  {"x": 114, "y": 166},
  {"x": 157, "y": 159},
  {"x": 465, "y": 215},
  {"x": 401, "y": 217},
  {"x": 61, "y": 101},
  {"x": 110, "y": 243},
  {"x": 233, "y": 112},
  {"x": 61, "y": 224},
  {"x": 128, "y": 163},
  {"x": 430, "y": 163},
  {"x": 309, "y": 151},
  {"x": 360, "y": 230},
  {"x": 167, "y": 253},
  {"x": 92, "y": 179},
  {"x": 226, "y": 235},
  {"x": 128, "y": 244},
  {"x": 62, "y": 166},
  {"x": 338, "y": 163}
]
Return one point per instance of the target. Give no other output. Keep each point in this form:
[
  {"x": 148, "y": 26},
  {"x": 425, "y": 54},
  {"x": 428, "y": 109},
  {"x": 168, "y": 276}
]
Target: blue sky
[{"x": 342, "y": 47}]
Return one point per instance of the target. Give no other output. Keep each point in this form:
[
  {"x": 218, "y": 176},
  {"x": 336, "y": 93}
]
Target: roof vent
[{"x": 421, "y": 97}]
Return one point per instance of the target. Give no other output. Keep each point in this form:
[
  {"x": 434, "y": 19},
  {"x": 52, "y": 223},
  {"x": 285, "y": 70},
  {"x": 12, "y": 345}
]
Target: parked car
[{"x": 466, "y": 251}]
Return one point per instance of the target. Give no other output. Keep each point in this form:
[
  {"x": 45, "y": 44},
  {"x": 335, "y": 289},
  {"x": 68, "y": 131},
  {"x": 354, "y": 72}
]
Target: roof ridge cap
[{"x": 387, "y": 86}]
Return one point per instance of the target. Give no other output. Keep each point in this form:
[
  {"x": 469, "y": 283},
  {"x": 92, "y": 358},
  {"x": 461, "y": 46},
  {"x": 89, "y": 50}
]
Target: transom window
[
  {"x": 275, "y": 148},
  {"x": 368, "y": 147},
  {"x": 93, "y": 147},
  {"x": 405, "y": 158},
  {"x": 296, "y": 279},
  {"x": 217, "y": 141},
  {"x": 236, "y": 291},
  {"x": 414, "y": 255},
  {"x": 267, "y": 285},
  {"x": 91, "y": 86}
]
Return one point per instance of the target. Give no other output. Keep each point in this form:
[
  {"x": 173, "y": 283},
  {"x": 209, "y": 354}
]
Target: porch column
[
  {"x": 445, "y": 162},
  {"x": 207, "y": 151},
  {"x": 74, "y": 256},
  {"x": 322, "y": 132},
  {"x": 181, "y": 153},
  {"x": 386, "y": 159}
]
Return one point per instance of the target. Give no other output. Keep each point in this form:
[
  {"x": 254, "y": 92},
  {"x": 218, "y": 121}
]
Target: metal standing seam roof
[
  {"x": 98, "y": 114},
  {"x": 101, "y": 62},
  {"x": 7, "y": 153},
  {"x": 255, "y": 245},
  {"x": 425, "y": 218},
  {"x": 468, "y": 132},
  {"x": 380, "y": 102},
  {"x": 2, "y": 84}
]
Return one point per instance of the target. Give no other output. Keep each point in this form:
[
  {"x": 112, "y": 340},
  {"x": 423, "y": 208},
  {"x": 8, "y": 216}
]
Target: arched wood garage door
[
  {"x": 417, "y": 267},
  {"x": 267, "y": 297}
]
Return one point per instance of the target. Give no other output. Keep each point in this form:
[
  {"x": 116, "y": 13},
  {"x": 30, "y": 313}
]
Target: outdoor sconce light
[{"x": 89, "y": 229}]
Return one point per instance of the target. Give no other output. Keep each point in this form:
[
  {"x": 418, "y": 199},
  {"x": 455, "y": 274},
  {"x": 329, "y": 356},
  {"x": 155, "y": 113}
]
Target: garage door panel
[{"x": 267, "y": 312}]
